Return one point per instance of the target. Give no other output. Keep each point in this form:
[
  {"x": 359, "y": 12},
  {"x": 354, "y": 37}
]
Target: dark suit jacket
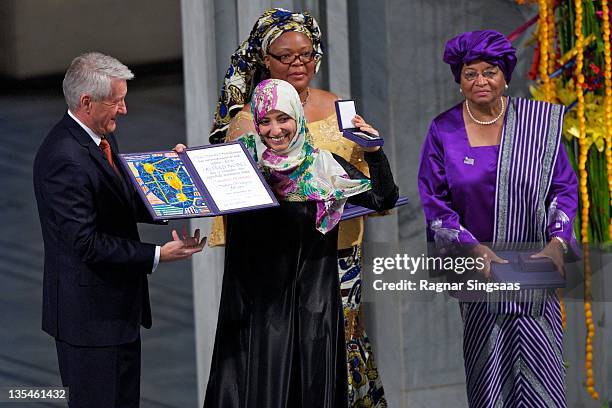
[{"x": 95, "y": 289}]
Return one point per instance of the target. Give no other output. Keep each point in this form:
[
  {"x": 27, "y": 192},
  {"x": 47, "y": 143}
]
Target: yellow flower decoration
[{"x": 566, "y": 93}]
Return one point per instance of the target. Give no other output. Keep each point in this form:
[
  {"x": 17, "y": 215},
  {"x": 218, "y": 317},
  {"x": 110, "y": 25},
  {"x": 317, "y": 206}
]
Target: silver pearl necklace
[{"x": 488, "y": 122}]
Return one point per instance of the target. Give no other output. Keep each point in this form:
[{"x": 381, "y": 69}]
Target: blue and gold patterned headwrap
[{"x": 247, "y": 67}]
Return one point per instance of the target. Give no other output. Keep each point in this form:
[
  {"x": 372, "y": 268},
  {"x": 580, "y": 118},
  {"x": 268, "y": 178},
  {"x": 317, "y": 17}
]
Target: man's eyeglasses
[
  {"x": 471, "y": 75},
  {"x": 305, "y": 57}
]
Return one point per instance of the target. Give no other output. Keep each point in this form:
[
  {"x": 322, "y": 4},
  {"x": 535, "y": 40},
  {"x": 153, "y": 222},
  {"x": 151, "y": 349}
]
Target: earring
[
  {"x": 506, "y": 86},
  {"x": 460, "y": 91}
]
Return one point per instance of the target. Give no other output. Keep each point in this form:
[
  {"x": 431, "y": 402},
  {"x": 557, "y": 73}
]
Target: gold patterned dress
[{"x": 364, "y": 385}]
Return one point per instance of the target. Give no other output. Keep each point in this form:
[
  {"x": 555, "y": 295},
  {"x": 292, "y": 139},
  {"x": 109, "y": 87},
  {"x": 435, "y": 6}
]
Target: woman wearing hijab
[
  {"x": 279, "y": 340},
  {"x": 286, "y": 45},
  {"x": 493, "y": 170}
]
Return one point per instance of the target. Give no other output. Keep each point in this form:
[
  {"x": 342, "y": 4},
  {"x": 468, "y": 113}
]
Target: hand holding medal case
[{"x": 345, "y": 111}]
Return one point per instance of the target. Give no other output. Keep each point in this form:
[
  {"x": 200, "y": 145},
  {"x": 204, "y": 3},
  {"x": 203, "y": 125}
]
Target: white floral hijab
[{"x": 300, "y": 172}]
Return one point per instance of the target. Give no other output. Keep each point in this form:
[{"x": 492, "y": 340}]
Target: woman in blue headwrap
[
  {"x": 493, "y": 174},
  {"x": 287, "y": 45}
]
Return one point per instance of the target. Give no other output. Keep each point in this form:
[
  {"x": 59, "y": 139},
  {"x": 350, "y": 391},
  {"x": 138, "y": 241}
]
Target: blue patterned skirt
[{"x": 512, "y": 350}]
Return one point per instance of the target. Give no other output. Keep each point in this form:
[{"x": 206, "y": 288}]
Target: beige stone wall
[{"x": 41, "y": 37}]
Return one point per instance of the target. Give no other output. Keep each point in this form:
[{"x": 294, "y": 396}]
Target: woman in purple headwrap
[{"x": 493, "y": 170}]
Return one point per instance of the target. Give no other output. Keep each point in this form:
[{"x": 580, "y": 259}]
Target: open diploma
[{"x": 202, "y": 181}]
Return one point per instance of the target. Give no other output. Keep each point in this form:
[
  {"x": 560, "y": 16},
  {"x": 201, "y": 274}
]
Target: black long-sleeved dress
[{"x": 280, "y": 333}]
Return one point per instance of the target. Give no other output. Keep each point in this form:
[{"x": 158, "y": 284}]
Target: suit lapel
[
  {"x": 107, "y": 172},
  {"x": 122, "y": 177},
  {"x": 96, "y": 153}
]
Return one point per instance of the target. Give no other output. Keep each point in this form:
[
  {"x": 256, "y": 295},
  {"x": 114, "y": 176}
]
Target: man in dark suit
[{"x": 95, "y": 294}]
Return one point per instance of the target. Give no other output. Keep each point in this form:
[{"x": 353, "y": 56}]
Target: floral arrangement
[{"x": 572, "y": 66}]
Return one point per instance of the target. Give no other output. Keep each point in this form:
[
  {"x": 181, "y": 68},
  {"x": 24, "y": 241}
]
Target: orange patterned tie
[{"x": 106, "y": 150}]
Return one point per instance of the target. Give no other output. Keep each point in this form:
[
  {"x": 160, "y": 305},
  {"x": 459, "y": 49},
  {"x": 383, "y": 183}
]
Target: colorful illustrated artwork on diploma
[{"x": 166, "y": 184}]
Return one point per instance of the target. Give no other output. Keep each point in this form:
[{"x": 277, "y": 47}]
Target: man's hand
[
  {"x": 179, "y": 148},
  {"x": 487, "y": 254},
  {"x": 179, "y": 249},
  {"x": 190, "y": 242},
  {"x": 553, "y": 251}
]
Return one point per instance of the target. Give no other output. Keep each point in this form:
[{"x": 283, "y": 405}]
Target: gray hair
[{"x": 91, "y": 74}]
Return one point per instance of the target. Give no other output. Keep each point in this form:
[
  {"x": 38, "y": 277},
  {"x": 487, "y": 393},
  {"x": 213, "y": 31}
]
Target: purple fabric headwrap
[{"x": 485, "y": 45}]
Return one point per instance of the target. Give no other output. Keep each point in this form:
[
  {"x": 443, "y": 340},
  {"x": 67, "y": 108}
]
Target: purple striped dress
[{"x": 522, "y": 191}]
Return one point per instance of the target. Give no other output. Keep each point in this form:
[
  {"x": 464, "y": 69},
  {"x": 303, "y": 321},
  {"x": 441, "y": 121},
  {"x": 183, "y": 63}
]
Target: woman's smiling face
[{"x": 276, "y": 130}]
